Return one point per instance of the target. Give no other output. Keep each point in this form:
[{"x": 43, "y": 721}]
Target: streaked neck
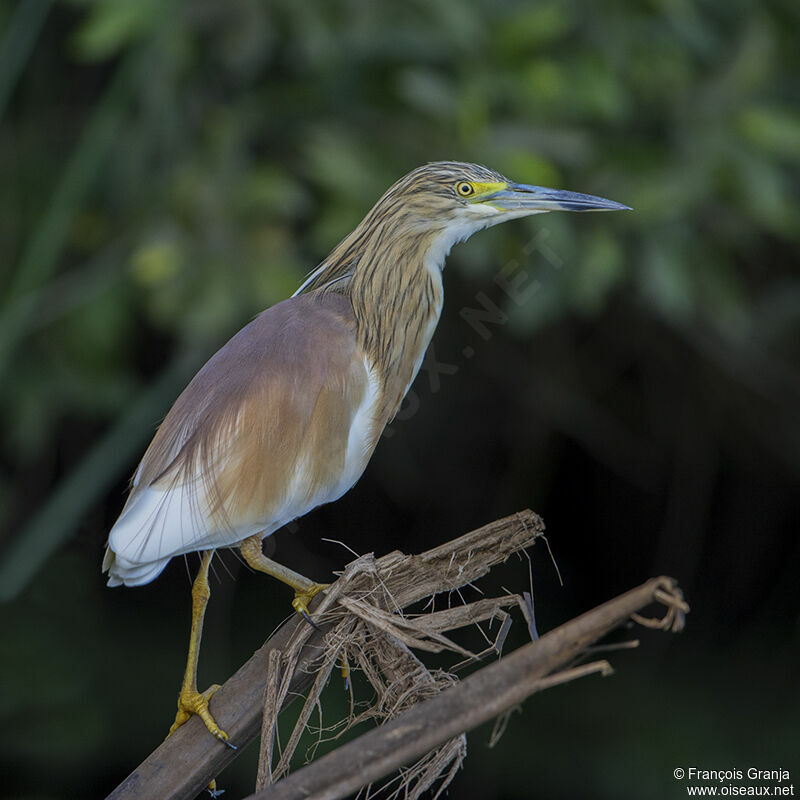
[
  {"x": 392, "y": 277},
  {"x": 397, "y": 296}
]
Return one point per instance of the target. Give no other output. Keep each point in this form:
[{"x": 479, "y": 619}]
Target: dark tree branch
[
  {"x": 480, "y": 697},
  {"x": 182, "y": 765}
]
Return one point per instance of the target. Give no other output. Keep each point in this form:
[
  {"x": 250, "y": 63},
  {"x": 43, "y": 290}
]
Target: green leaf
[
  {"x": 112, "y": 25},
  {"x": 775, "y": 130}
]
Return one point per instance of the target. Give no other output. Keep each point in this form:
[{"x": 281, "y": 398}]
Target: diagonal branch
[
  {"x": 182, "y": 765},
  {"x": 480, "y": 697}
]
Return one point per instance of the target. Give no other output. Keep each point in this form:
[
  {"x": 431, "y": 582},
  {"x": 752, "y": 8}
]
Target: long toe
[{"x": 190, "y": 702}]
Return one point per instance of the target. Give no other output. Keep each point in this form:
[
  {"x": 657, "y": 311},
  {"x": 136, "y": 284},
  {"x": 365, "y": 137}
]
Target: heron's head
[
  {"x": 426, "y": 212},
  {"x": 455, "y": 199}
]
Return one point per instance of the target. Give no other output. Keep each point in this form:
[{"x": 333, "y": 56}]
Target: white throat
[{"x": 474, "y": 220}]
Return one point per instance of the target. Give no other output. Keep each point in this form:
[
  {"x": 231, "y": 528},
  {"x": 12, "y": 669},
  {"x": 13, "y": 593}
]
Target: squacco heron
[{"x": 287, "y": 414}]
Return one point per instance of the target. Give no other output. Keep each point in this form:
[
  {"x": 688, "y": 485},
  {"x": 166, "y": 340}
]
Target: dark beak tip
[
  {"x": 604, "y": 204},
  {"x": 610, "y": 205}
]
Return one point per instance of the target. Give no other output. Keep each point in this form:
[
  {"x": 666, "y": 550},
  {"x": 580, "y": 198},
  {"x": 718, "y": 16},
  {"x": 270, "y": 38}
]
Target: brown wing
[{"x": 260, "y": 433}]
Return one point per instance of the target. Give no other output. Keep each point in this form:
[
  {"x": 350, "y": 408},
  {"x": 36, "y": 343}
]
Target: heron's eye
[{"x": 465, "y": 189}]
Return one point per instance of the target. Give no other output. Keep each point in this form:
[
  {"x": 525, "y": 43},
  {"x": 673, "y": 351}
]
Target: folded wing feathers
[{"x": 235, "y": 444}]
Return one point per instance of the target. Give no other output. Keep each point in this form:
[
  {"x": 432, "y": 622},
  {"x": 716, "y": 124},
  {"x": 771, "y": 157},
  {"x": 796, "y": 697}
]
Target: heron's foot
[
  {"x": 345, "y": 668},
  {"x": 303, "y": 597},
  {"x": 190, "y": 702}
]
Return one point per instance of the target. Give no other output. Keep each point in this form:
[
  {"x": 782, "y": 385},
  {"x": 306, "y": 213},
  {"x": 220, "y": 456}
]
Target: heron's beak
[{"x": 521, "y": 197}]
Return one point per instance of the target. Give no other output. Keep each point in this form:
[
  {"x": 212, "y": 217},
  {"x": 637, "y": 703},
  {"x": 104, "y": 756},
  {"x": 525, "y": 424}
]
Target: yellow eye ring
[{"x": 465, "y": 189}]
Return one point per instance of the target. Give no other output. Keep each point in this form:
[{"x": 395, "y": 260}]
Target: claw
[
  {"x": 303, "y": 598},
  {"x": 307, "y": 617}
]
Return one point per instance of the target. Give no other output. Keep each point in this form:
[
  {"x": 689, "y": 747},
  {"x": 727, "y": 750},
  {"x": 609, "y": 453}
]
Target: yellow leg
[
  {"x": 304, "y": 589},
  {"x": 190, "y": 701}
]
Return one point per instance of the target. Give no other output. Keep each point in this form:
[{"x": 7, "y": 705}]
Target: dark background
[{"x": 169, "y": 168}]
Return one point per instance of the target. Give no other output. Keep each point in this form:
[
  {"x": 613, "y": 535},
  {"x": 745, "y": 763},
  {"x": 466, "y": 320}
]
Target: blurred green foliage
[
  {"x": 248, "y": 137},
  {"x": 239, "y": 141},
  {"x": 172, "y": 167}
]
